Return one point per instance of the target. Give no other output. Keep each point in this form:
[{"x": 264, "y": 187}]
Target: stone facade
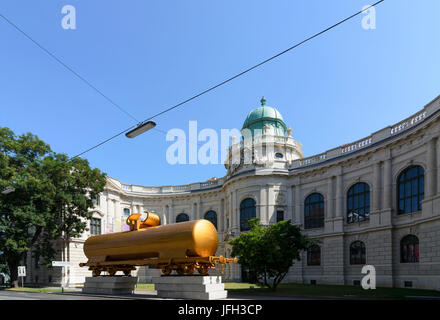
[{"x": 279, "y": 179}]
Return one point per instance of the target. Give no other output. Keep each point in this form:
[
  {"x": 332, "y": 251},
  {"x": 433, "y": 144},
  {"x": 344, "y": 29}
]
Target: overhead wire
[
  {"x": 53, "y": 56},
  {"x": 194, "y": 96}
]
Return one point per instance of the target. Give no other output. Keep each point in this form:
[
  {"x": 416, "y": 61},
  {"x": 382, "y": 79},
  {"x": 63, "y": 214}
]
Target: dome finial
[{"x": 263, "y": 101}]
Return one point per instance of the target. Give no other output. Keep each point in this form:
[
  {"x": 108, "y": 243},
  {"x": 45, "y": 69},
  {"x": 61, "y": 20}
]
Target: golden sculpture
[{"x": 184, "y": 247}]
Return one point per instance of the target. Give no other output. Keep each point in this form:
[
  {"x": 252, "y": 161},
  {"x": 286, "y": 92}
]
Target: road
[
  {"x": 140, "y": 295},
  {"x": 17, "y": 295}
]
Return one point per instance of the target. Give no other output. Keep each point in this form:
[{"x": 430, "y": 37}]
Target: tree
[
  {"x": 51, "y": 200},
  {"x": 269, "y": 251}
]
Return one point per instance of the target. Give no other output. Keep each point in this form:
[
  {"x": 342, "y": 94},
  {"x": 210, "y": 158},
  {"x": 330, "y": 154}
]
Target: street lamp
[{"x": 141, "y": 128}]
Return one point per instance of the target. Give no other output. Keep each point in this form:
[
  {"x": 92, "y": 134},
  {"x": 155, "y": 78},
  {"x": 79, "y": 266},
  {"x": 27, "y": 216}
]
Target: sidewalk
[{"x": 151, "y": 295}]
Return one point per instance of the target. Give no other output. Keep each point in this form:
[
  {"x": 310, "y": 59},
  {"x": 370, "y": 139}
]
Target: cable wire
[
  {"x": 261, "y": 63},
  {"x": 68, "y": 68},
  {"x": 201, "y": 93}
]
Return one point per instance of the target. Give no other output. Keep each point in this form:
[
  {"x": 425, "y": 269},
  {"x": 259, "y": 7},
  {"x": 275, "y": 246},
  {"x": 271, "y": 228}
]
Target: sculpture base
[
  {"x": 190, "y": 287},
  {"x": 110, "y": 285},
  {"x": 146, "y": 274}
]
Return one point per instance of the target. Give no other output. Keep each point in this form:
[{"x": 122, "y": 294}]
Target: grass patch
[
  {"x": 327, "y": 291},
  {"x": 241, "y": 286},
  {"x": 44, "y": 290},
  {"x": 145, "y": 286}
]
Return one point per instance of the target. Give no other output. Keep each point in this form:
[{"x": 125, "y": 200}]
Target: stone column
[
  {"x": 231, "y": 223},
  {"x": 109, "y": 215},
  {"x": 377, "y": 183},
  {"x": 269, "y": 206},
  {"x": 387, "y": 185},
  {"x": 194, "y": 211},
  {"x": 237, "y": 212},
  {"x": 117, "y": 226},
  {"x": 298, "y": 204},
  {"x": 438, "y": 166},
  {"x": 200, "y": 209},
  {"x": 226, "y": 212},
  {"x": 164, "y": 219},
  {"x": 221, "y": 216},
  {"x": 338, "y": 222},
  {"x": 261, "y": 212},
  {"x": 339, "y": 196},
  {"x": 113, "y": 216},
  {"x": 171, "y": 218},
  {"x": 289, "y": 210},
  {"x": 431, "y": 174},
  {"x": 375, "y": 205},
  {"x": 330, "y": 198},
  {"x": 233, "y": 217}
]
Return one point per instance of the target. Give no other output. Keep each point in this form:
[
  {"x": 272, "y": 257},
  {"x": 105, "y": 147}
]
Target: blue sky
[{"x": 149, "y": 55}]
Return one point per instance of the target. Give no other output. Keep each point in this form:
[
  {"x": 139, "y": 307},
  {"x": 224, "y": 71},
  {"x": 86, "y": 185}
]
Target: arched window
[
  {"x": 314, "y": 255},
  {"x": 358, "y": 203},
  {"x": 247, "y": 211},
  {"x": 181, "y": 217},
  {"x": 357, "y": 253},
  {"x": 314, "y": 211},
  {"x": 211, "y": 216},
  {"x": 410, "y": 190},
  {"x": 126, "y": 212},
  {"x": 409, "y": 249}
]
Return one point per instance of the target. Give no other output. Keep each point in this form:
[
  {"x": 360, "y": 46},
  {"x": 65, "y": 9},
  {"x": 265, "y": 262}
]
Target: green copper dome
[{"x": 265, "y": 115}]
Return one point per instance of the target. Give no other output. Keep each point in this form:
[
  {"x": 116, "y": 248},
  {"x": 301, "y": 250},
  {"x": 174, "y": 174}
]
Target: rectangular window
[
  {"x": 314, "y": 255},
  {"x": 280, "y": 216},
  {"x": 95, "y": 226},
  {"x": 97, "y": 201}
]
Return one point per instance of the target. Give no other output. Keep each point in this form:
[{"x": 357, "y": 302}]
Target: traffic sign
[{"x": 22, "y": 271}]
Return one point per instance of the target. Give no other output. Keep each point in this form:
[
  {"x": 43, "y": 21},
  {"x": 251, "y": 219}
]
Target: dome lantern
[{"x": 263, "y": 116}]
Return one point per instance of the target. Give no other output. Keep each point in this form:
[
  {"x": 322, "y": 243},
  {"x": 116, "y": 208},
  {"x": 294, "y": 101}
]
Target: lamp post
[{"x": 141, "y": 128}]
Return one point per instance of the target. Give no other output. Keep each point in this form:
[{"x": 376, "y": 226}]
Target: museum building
[{"x": 375, "y": 202}]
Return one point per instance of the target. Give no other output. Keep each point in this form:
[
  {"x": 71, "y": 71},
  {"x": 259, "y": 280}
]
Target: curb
[
  {"x": 132, "y": 297},
  {"x": 423, "y": 297}
]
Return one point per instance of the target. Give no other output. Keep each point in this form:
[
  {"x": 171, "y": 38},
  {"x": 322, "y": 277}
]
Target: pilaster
[
  {"x": 375, "y": 214},
  {"x": 298, "y": 206}
]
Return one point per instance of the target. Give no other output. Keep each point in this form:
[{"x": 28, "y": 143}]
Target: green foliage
[
  {"x": 51, "y": 200},
  {"x": 269, "y": 251},
  {"x": 3, "y": 265}
]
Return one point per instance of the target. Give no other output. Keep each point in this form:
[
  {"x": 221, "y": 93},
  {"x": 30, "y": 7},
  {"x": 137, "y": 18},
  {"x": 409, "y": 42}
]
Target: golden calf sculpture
[{"x": 184, "y": 247}]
